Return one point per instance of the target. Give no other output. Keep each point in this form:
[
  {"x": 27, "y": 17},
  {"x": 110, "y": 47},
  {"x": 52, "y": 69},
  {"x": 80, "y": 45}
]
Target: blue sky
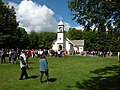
[{"x": 59, "y": 7}]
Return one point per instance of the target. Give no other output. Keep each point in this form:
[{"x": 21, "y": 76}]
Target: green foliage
[
  {"x": 104, "y": 16},
  {"x": 8, "y": 26},
  {"x": 46, "y": 39},
  {"x": 90, "y": 38},
  {"x": 23, "y": 38},
  {"x": 11, "y": 36},
  {"x": 90, "y": 12},
  {"x": 97, "y": 39},
  {"x": 74, "y": 34},
  {"x": 33, "y": 40},
  {"x": 41, "y": 40}
]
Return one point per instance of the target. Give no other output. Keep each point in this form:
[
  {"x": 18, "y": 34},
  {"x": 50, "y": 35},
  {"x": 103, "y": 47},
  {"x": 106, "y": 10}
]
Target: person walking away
[
  {"x": 43, "y": 67},
  {"x": 14, "y": 56},
  {"x": 3, "y": 53},
  {"x": 23, "y": 65},
  {"x": 18, "y": 52}
]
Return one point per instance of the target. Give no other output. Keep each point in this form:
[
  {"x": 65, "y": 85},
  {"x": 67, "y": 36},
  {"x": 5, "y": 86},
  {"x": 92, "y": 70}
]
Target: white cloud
[
  {"x": 13, "y": 4},
  {"x": 67, "y": 26},
  {"x": 79, "y": 27},
  {"x": 32, "y": 16}
]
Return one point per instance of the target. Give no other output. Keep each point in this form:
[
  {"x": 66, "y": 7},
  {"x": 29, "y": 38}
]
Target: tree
[
  {"x": 74, "y": 34},
  {"x": 8, "y": 26},
  {"x": 90, "y": 40},
  {"x": 102, "y": 14},
  {"x": 41, "y": 40},
  {"x": 95, "y": 12},
  {"x": 33, "y": 40},
  {"x": 23, "y": 38},
  {"x": 46, "y": 39}
]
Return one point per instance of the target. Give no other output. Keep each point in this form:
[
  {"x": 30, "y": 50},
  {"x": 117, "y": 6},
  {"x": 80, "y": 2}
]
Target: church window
[{"x": 60, "y": 29}]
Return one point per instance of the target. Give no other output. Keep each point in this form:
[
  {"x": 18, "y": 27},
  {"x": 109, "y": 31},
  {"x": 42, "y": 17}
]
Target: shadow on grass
[
  {"x": 51, "y": 80},
  {"x": 107, "y": 78},
  {"x": 33, "y": 76}
]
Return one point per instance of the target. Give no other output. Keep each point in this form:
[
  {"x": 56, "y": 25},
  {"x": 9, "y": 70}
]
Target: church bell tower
[{"x": 60, "y": 36}]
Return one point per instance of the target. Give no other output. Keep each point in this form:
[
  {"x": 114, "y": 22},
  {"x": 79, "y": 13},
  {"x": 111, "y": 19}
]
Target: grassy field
[{"x": 66, "y": 73}]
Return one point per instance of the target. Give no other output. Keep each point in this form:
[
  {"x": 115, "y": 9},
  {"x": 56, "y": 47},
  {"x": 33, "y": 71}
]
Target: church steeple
[
  {"x": 60, "y": 26},
  {"x": 60, "y": 36}
]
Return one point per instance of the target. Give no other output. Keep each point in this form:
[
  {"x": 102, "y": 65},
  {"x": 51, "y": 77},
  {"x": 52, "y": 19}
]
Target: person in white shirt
[{"x": 23, "y": 65}]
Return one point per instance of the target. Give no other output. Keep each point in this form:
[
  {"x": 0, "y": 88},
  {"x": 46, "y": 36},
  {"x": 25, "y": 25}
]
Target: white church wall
[
  {"x": 60, "y": 37},
  {"x": 67, "y": 46},
  {"x": 55, "y": 46},
  {"x": 71, "y": 49},
  {"x": 81, "y": 49}
]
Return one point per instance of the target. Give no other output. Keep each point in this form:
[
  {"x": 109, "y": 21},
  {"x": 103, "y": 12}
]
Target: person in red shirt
[{"x": 27, "y": 56}]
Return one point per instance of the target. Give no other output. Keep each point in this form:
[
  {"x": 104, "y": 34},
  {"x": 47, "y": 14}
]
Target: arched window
[
  {"x": 60, "y": 47},
  {"x": 60, "y": 29}
]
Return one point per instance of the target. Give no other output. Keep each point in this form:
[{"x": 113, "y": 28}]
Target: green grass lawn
[{"x": 66, "y": 73}]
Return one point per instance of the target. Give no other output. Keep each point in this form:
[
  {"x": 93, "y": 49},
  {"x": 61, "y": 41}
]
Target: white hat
[{"x": 41, "y": 52}]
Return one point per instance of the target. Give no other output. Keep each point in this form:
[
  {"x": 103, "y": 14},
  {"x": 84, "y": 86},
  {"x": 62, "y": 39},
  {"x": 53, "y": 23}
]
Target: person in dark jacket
[
  {"x": 13, "y": 56},
  {"x": 3, "y": 53}
]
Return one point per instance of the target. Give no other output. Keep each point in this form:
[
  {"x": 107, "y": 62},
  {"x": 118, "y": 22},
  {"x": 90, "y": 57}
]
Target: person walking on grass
[
  {"x": 43, "y": 67},
  {"x": 14, "y": 56},
  {"x": 23, "y": 65}
]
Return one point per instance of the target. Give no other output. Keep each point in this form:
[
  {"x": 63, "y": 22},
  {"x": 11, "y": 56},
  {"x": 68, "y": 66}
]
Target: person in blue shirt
[{"x": 43, "y": 67}]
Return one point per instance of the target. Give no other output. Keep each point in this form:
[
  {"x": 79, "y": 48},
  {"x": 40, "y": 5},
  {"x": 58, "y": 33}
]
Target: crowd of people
[
  {"x": 97, "y": 53},
  {"x": 23, "y": 56},
  {"x": 13, "y": 54}
]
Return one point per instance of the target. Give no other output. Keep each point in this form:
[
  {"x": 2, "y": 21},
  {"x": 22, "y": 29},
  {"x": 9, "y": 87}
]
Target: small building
[{"x": 63, "y": 43}]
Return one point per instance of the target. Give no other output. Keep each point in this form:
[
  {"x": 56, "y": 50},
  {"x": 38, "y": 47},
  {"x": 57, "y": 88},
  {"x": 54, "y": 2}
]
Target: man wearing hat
[{"x": 43, "y": 66}]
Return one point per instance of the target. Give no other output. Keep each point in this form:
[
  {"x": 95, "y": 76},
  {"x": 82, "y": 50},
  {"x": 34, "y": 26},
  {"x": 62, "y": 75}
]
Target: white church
[{"x": 63, "y": 43}]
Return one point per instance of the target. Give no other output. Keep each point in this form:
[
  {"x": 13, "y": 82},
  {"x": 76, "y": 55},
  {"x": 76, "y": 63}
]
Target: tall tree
[
  {"x": 8, "y": 26},
  {"x": 90, "y": 40},
  {"x": 46, "y": 39},
  {"x": 74, "y": 34},
  {"x": 33, "y": 40},
  {"x": 95, "y": 12},
  {"x": 23, "y": 38},
  {"x": 101, "y": 14}
]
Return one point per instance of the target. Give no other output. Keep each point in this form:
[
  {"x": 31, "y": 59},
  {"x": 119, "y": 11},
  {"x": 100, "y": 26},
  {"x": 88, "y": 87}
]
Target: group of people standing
[
  {"x": 22, "y": 56},
  {"x": 12, "y": 54}
]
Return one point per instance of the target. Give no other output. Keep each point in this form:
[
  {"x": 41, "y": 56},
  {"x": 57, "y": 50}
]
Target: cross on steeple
[{"x": 60, "y": 18}]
